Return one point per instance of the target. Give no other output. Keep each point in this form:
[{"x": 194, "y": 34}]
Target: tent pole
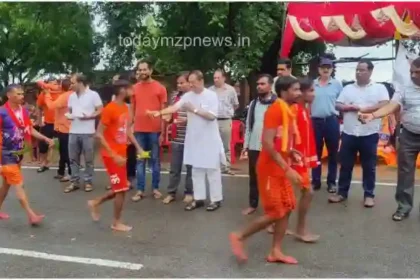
[{"x": 285, "y": 4}]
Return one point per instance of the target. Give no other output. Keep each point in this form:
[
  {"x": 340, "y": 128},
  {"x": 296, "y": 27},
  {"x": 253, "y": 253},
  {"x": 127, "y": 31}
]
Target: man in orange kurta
[
  {"x": 275, "y": 176},
  {"x": 46, "y": 120},
  {"x": 307, "y": 150},
  {"x": 61, "y": 123}
]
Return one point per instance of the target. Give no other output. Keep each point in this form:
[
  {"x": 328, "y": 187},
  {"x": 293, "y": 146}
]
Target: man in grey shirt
[
  {"x": 407, "y": 100},
  {"x": 228, "y": 103},
  {"x": 253, "y": 135}
]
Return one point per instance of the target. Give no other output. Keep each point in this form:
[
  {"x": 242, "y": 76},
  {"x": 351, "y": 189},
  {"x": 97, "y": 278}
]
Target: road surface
[{"x": 168, "y": 242}]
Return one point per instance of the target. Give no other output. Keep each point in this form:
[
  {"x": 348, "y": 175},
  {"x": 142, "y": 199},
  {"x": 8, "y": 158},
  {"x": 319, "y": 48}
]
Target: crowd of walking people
[{"x": 287, "y": 125}]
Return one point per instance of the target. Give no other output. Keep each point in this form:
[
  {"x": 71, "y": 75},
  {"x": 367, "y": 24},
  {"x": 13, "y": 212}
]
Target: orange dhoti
[
  {"x": 276, "y": 194},
  {"x": 304, "y": 173},
  {"x": 276, "y": 191},
  {"x": 306, "y": 146}
]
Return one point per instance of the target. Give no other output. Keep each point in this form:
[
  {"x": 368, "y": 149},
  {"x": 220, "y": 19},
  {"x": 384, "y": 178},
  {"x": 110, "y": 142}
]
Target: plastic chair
[
  {"x": 166, "y": 141},
  {"x": 238, "y": 137}
]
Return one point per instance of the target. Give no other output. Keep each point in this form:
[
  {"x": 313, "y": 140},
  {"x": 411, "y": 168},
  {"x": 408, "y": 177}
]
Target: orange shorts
[
  {"x": 117, "y": 175},
  {"x": 12, "y": 174}
]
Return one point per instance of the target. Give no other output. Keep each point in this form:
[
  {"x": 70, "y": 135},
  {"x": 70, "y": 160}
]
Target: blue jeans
[
  {"x": 149, "y": 141},
  {"x": 366, "y": 147},
  {"x": 328, "y": 130}
]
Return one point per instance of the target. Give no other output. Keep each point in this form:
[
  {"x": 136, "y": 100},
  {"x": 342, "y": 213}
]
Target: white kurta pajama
[{"x": 203, "y": 147}]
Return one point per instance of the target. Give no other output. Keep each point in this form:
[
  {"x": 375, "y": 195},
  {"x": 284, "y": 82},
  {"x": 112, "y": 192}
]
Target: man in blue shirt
[{"x": 325, "y": 122}]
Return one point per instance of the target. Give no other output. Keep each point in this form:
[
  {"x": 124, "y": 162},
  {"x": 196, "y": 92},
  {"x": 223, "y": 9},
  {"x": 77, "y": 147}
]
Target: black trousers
[
  {"x": 131, "y": 161},
  {"x": 253, "y": 183},
  {"x": 48, "y": 131},
  {"x": 63, "y": 143}
]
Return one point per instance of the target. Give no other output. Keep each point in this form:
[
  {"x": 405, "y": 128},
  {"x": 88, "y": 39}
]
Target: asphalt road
[{"x": 169, "y": 242}]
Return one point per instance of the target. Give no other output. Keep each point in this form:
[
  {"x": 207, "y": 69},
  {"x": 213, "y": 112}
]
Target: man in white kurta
[{"x": 203, "y": 148}]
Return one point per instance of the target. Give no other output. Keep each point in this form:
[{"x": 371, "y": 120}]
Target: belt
[
  {"x": 325, "y": 118},
  {"x": 224, "y": 119}
]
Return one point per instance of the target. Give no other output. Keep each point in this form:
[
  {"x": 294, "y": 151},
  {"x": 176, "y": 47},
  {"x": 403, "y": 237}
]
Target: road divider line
[
  {"x": 61, "y": 258},
  {"x": 224, "y": 175}
]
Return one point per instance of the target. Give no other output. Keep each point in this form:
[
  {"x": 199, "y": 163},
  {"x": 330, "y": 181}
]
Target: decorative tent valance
[{"x": 351, "y": 23}]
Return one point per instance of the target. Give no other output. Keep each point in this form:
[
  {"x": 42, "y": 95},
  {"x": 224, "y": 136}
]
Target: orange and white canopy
[{"x": 350, "y": 23}]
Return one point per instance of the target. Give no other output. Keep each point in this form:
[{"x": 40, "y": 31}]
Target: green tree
[
  {"x": 49, "y": 37},
  {"x": 169, "y": 31},
  {"x": 121, "y": 20},
  {"x": 412, "y": 46}
]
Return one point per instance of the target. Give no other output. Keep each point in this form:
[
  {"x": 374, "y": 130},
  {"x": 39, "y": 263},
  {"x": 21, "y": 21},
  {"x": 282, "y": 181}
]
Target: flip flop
[{"x": 4, "y": 216}]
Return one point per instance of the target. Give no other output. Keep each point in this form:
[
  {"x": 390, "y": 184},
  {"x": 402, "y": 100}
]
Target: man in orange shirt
[
  {"x": 149, "y": 95},
  {"x": 46, "y": 119},
  {"x": 275, "y": 178},
  {"x": 113, "y": 133},
  {"x": 61, "y": 123},
  {"x": 307, "y": 149}
]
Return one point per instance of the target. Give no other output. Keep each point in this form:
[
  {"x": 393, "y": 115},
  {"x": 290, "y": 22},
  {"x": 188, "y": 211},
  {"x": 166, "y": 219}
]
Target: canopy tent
[
  {"x": 354, "y": 24},
  {"x": 349, "y": 23}
]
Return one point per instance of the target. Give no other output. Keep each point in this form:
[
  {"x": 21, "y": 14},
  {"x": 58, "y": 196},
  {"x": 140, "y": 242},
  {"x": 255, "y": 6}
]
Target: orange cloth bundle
[{"x": 53, "y": 89}]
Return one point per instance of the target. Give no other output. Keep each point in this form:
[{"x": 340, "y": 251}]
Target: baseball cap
[{"x": 326, "y": 62}]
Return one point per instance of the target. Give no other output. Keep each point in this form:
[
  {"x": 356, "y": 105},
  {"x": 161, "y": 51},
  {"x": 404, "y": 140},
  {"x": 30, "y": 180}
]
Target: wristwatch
[{"x": 195, "y": 111}]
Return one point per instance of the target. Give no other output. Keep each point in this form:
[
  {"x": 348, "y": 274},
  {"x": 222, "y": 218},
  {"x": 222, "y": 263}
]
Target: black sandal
[
  {"x": 194, "y": 205},
  {"x": 213, "y": 206},
  {"x": 42, "y": 169},
  {"x": 332, "y": 189},
  {"x": 398, "y": 217}
]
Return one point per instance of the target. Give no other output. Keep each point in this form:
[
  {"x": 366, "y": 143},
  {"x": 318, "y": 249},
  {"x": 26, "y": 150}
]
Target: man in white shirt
[
  {"x": 203, "y": 147},
  {"x": 228, "y": 103},
  {"x": 284, "y": 69},
  {"x": 84, "y": 105},
  {"x": 363, "y": 96}
]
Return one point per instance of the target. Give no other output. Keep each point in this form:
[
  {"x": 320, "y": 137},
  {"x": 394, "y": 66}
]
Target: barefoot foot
[
  {"x": 270, "y": 229},
  {"x": 290, "y": 232},
  {"x": 237, "y": 247},
  {"x": 36, "y": 220},
  {"x": 94, "y": 212},
  {"x": 307, "y": 237},
  {"x": 280, "y": 258},
  {"x": 4, "y": 216},
  {"x": 121, "y": 227},
  {"x": 248, "y": 211}
]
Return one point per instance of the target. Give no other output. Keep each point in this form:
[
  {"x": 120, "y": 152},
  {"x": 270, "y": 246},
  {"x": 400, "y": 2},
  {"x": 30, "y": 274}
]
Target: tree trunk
[
  {"x": 252, "y": 83},
  {"x": 5, "y": 77},
  {"x": 270, "y": 57}
]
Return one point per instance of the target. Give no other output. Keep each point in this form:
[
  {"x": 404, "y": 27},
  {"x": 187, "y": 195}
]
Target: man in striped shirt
[{"x": 179, "y": 127}]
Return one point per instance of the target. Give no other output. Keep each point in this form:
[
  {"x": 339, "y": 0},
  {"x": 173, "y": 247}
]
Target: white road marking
[
  {"x": 60, "y": 258},
  {"x": 224, "y": 175}
]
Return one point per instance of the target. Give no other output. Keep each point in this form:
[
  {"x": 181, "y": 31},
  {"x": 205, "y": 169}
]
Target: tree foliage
[
  {"x": 412, "y": 46},
  {"x": 121, "y": 20},
  {"x": 49, "y": 37},
  {"x": 168, "y": 29}
]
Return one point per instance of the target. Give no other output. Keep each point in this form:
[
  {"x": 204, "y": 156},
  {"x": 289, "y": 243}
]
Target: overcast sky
[{"x": 382, "y": 71}]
